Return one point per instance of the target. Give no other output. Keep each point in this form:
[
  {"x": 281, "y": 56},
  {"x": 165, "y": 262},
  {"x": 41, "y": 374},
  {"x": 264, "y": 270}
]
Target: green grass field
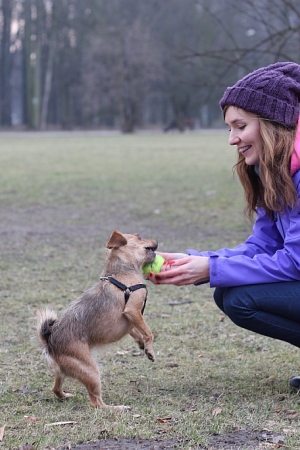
[{"x": 60, "y": 199}]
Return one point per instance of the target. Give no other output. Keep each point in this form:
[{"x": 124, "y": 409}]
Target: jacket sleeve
[{"x": 267, "y": 256}]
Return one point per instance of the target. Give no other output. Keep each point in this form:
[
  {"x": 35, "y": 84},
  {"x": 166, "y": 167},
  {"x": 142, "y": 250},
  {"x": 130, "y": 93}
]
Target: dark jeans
[{"x": 271, "y": 309}]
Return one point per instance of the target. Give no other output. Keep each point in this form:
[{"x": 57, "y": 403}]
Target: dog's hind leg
[
  {"x": 135, "y": 317},
  {"x": 85, "y": 370},
  {"x": 57, "y": 388}
]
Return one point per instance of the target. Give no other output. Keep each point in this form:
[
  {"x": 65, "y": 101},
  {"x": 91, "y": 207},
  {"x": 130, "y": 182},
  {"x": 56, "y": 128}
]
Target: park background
[
  {"x": 127, "y": 64},
  {"x": 86, "y": 89}
]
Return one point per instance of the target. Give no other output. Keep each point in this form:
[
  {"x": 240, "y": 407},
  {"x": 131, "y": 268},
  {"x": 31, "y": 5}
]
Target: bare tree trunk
[
  {"x": 128, "y": 115},
  {"x": 127, "y": 99},
  {"x": 27, "y": 65},
  {"x": 32, "y": 47},
  {"x": 5, "y": 66},
  {"x": 36, "y": 68},
  {"x": 49, "y": 72}
]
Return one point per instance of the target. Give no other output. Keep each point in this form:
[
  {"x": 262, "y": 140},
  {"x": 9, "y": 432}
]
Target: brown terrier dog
[{"x": 103, "y": 314}]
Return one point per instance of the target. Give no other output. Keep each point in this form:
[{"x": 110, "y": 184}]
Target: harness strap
[{"x": 127, "y": 289}]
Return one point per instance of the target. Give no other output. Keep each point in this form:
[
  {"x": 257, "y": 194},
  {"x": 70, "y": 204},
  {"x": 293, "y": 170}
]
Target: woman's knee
[
  {"x": 238, "y": 304},
  {"x": 218, "y": 297}
]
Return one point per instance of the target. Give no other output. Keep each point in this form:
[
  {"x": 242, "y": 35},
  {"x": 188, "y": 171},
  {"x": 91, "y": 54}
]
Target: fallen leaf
[
  {"x": 270, "y": 379},
  {"x": 190, "y": 409},
  {"x": 31, "y": 419},
  {"x": 2, "y": 432},
  {"x": 238, "y": 428},
  {"x": 136, "y": 416},
  {"x": 26, "y": 390},
  {"x": 164, "y": 419},
  {"x": 289, "y": 430},
  {"x": 103, "y": 431},
  {"x": 291, "y": 414},
  {"x": 171, "y": 364},
  {"x": 216, "y": 411}
]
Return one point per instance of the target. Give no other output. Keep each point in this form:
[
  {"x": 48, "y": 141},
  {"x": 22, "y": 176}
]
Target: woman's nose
[{"x": 233, "y": 138}]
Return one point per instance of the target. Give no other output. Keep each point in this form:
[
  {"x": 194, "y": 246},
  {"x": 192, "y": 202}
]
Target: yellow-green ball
[{"x": 155, "y": 266}]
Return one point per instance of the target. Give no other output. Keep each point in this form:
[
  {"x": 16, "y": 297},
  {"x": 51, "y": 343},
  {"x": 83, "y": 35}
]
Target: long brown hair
[{"x": 273, "y": 188}]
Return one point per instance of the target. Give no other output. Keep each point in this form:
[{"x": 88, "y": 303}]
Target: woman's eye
[{"x": 240, "y": 127}]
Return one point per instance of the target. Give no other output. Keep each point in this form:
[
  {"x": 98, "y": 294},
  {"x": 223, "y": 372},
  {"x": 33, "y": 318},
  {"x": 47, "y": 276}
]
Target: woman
[{"x": 257, "y": 282}]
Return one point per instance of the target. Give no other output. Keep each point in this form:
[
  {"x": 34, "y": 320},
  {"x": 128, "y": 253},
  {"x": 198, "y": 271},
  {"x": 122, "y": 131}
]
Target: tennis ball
[{"x": 155, "y": 266}]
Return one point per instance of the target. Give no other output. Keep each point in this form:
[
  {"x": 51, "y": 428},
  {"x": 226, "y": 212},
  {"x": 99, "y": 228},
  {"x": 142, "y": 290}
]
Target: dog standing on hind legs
[{"x": 102, "y": 315}]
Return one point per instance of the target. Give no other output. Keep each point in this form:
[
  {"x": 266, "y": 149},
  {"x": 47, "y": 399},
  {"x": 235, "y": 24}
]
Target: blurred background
[{"x": 134, "y": 64}]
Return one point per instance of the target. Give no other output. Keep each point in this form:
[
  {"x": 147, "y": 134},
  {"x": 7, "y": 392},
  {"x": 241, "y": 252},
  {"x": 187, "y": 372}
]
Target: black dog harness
[{"x": 127, "y": 289}]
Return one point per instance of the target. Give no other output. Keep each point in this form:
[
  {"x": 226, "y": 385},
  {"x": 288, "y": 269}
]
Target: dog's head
[{"x": 131, "y": 248}]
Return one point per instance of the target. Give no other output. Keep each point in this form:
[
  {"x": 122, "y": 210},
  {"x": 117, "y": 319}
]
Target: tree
[
  {"x": 50, "y": 60},
  {"x": 5, "y": 63},
  {"x": 122, "y": 63}
]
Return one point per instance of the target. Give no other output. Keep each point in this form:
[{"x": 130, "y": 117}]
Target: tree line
[{"x": 134, "y": 63}]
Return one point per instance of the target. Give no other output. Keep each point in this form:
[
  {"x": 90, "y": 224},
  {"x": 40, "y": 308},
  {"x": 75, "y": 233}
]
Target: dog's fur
[{"x": 100, "y": 316}]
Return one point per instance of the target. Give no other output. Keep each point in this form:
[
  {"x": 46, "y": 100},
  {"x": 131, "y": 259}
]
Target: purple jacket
[{"x": 271, "y": 254}]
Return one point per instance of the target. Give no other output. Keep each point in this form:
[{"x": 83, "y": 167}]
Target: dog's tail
[{"x": 46, "y": 318}]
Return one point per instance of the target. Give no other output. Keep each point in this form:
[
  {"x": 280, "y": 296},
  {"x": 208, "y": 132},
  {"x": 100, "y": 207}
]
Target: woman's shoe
[{"x": 295, "y": 383}]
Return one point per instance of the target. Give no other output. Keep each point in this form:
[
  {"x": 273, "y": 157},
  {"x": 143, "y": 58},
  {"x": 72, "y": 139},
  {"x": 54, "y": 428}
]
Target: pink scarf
[{"x": 295, "y": 161}]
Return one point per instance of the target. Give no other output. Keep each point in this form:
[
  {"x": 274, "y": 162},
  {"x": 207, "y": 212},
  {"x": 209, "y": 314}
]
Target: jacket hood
[{"x": 295, "y": 161}]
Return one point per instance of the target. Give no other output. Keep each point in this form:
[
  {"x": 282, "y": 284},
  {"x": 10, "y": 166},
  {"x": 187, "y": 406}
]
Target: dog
[{"x": 103, "y": 314}]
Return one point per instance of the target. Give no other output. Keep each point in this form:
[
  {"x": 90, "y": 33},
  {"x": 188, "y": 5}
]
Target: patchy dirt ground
[
  {"x": 243, "y": 439},
  {"x": 18, "y": 227}
]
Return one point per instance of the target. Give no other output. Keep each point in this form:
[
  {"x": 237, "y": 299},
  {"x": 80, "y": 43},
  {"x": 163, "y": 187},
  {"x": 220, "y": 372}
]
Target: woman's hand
[{"x": 181, "y": 269}]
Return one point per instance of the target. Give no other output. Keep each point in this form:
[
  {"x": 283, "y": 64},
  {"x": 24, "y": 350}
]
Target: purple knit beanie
[{"x": 272, "y": 92}]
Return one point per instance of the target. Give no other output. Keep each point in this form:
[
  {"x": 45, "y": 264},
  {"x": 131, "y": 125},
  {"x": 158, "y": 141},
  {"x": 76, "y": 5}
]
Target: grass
[{"x": 60, "y": 198}]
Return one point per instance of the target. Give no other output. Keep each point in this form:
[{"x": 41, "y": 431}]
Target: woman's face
[{"x": 244, "y": 133}]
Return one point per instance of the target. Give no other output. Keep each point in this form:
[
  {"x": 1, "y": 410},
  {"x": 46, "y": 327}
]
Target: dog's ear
[{"x": 116, "y": 240}]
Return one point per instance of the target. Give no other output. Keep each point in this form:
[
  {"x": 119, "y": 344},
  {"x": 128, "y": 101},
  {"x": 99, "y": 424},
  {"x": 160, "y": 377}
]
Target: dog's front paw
[{"x": 150, "y": 355}]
